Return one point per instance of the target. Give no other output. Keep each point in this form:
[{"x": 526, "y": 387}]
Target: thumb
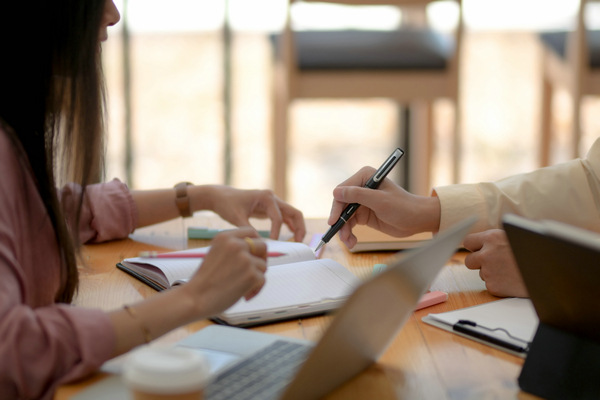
[
  {"x": 474, "y": 241},
  {"x": 241, "y": 222}
]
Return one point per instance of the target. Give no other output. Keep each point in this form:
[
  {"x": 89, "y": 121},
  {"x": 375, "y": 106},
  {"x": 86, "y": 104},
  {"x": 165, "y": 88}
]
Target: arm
[
  {"x": 233, "y": 205},
  {"x": 111, "y": 211},
  {"x": 48, "y": 345},
  {"x": 568, "y": 192},
  {"x": 45, "y": 344},
  {"x": 228, "y": 272}
]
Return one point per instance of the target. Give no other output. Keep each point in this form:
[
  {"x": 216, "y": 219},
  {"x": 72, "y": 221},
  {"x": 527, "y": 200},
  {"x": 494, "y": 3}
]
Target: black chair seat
[
  {"x": 557, "y": 42},
  {"x": 368, "y": 50}
]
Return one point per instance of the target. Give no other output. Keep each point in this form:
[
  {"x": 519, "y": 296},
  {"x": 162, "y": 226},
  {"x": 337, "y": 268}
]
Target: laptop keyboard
[{"x": 263, "y": 376}]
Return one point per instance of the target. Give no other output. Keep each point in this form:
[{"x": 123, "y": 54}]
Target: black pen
[
  {"x": 372, "y": 183},
  {"x": 468, "y": 328}
]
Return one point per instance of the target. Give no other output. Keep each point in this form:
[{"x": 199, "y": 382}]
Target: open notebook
[{"x": 297, "y": 284}]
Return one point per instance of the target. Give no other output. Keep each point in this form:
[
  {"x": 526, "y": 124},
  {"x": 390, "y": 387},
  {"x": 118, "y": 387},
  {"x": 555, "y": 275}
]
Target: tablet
[{"x": 560, "y": 265}]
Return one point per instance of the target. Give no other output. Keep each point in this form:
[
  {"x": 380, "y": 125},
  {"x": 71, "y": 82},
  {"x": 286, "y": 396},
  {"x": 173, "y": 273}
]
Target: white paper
[
  {"x": 299, "y": 284},
  {"x": 183, "y": 268}
]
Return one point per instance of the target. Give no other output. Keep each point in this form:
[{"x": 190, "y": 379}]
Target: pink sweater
[{"x": 43, "y": 344}]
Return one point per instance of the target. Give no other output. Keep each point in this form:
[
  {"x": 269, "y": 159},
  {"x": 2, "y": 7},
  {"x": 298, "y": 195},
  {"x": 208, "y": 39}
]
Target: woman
[{"x": 51, "y": 131}]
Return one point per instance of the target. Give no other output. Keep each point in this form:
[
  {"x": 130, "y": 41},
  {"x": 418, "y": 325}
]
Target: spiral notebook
[{"x": 297, "y": 284}]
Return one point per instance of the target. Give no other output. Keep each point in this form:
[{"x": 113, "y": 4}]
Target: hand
[
  {"x": 230, "y": 270},
  {"x": 237, "y": 206},
  {"x": 389, "y": 209},
  {"x": 493, "y": 257}
]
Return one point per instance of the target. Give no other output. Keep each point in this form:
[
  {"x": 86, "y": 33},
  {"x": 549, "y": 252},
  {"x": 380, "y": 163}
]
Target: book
[
  {"x": 370, "y": 239},
  {"x": 507, "y": 324},
  {"x": 297, "y": 284}
]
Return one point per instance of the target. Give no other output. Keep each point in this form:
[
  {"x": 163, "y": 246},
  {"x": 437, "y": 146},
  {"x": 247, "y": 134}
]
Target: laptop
[{"x": 254, "y": 365}]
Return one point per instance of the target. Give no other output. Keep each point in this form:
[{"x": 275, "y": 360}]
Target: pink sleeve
[
  {"x": 108, "y": 211},
  {"x": 43, "y": 344},
  {"x": 42, "y": 348}
]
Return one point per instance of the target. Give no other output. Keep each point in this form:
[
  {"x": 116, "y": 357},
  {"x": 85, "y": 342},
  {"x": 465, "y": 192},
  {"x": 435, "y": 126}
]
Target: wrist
[
  {"x": 202, "y": 197},
  {"x": 431, "y": 209},
  {"x": 192, "y": 305}
]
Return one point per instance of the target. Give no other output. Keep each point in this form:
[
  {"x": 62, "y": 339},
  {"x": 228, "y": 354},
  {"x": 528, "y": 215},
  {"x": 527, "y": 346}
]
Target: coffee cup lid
[{"x": 166, "y": 370}]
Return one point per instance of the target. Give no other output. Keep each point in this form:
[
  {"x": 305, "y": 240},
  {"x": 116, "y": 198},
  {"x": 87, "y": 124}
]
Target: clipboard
[{"x": 508, "y": 324}]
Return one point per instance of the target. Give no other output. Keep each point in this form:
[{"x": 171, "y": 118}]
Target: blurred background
[{"x": 165, "y": 66}]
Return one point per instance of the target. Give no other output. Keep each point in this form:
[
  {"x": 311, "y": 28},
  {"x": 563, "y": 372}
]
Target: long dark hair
[{"x": 52, "y": 104}]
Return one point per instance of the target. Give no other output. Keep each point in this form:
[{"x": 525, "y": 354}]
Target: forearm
[
  {"x": 230, "y": 270},
  {"x": 562, "y": 192},
  {"x": 158, "y": 315},
  {"x": 156, "y": 206},
  {"x": 430, "y": 208}
]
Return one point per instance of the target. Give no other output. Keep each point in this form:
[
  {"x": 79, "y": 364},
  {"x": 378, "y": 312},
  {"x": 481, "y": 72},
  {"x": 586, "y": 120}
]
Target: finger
[
  {"x": 359, "y": 179},
  {"x": 364, "y": 196},
  {"x": 251, "y": 245},
  {"x": 474, "y": 241},
  {"x": 294, "y": 220},
  {"x": 346, "y": 235},
  {"x": 259, "y": 282},
  {"x": 243, "y": 222},
  {"x": 481, "y": 275},
  {"x": 473, "y": 260},
  {"x": 274, "y": 214},
  {"x": 256, "y": 247},
  {"x": 242, "y": 232},
  {"x": 336, "y": 210},
  {"x": 262, "y": 266}
]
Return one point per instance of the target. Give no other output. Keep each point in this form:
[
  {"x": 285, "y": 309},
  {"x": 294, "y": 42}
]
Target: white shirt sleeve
[{"x": 568, "y": 192}]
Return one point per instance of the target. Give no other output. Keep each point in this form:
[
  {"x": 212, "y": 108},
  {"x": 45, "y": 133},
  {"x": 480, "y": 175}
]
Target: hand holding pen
[
  {"x": 390, "y": 209},
  {"x": 373, "y": 183}
]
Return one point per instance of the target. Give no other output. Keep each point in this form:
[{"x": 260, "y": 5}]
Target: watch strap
[{"x": 182, "y": 200}]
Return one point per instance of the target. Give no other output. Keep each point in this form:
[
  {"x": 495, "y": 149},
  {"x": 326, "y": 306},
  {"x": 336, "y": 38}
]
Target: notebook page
[
  {"x": 183, "y": 268},
  {"x": 308, "y": 282},
  {"x": 294, "y": 252}
]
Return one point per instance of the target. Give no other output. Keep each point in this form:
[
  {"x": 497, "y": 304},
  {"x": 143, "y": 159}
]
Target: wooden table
[{"x": 423, "y": 362}]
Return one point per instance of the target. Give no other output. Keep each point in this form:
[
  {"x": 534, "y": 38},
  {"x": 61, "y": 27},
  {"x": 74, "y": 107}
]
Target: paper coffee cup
[{"x": 160, "y": 373}]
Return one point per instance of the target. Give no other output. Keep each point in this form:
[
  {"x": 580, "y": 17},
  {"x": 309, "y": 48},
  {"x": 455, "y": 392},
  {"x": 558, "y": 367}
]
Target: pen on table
[
  {"x": 154, "y": 254},
  {"x": 372, "y": 183}
]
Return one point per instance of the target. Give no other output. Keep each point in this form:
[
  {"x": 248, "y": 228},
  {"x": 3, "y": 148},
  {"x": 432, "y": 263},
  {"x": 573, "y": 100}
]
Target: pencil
[{"x": 154, "y": 254}]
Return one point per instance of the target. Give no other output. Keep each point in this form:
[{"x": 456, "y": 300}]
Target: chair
[
  {"x": 571, "y": 60},
  {"x": 412, "y": 65}
]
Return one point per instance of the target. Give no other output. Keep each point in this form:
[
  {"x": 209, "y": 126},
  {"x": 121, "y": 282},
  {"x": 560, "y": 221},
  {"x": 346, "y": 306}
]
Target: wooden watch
[{"x": 182, "y": 200}]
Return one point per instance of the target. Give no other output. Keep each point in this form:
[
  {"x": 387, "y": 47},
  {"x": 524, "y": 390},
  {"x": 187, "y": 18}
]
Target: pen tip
[{"x": 319, "y": 246}]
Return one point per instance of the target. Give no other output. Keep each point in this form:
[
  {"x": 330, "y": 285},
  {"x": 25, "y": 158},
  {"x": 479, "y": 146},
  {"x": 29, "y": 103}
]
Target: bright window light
[{"x": 325, "y": 16}]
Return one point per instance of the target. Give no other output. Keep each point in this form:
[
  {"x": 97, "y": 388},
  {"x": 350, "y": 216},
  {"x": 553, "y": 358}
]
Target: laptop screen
[{"x": 370, "y": 319}]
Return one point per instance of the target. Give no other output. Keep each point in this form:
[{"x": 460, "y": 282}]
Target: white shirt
[{"x": 568, "y": 192}]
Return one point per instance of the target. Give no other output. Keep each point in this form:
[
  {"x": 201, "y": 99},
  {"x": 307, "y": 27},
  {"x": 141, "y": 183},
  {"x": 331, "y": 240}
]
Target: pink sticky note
[{"x": 431, "y": 298}]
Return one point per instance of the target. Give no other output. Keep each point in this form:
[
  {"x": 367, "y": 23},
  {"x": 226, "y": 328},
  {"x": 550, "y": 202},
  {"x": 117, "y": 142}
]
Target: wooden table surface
[{"x": 423, "y": 362}]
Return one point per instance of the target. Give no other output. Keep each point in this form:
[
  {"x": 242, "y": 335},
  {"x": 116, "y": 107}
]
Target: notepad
[
  {"x": 369, "y": 239},
  {"x": 297, "y": 284}
]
